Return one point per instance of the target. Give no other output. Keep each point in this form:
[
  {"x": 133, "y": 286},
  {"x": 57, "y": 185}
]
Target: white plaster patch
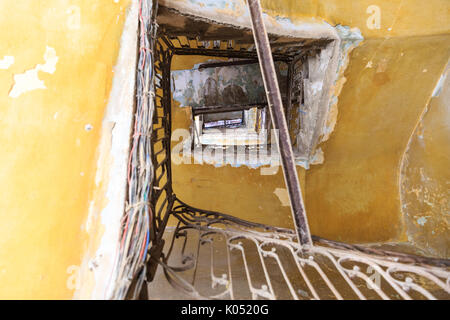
[
  {"x": 25, "y": 82},
  {"x": 422, "y": 220},
  {"x": 29, "y": 80},
  {"x": 6, "y": 62},
  {"x": 318, "y": 157},
  {"x": 316, "y": 87},
  {"x": 350, "y": 39},
  {"x": 283, "y": 195}
]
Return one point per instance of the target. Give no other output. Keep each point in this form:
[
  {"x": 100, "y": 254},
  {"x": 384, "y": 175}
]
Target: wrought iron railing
[{"x": 217, "y": 256}]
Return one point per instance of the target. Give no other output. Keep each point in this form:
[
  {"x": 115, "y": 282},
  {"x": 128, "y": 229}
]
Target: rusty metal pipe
[{"x": 279, "y": 122}]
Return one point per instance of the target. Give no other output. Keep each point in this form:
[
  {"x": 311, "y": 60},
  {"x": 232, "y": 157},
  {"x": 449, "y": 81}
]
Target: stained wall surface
[
  {"x": 425, "y": 175},
  {"x": 354, "y": 195}
]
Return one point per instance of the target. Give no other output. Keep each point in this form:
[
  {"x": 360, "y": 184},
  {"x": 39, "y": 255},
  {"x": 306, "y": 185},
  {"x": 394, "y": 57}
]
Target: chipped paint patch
[
  {"x": 318, "y": 157},
  {"x": 29, "y": 80},
  {"x": 6, "y": 62},
  {"x": 283, "y": 196},
  {"x": 350, "y": 39},
  {"x": 422, "y": 220}
]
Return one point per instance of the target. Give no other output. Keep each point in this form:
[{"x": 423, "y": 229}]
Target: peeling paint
[
  {"x": 350, "y": 39},
  {"x": 283, "y": 196},
  {"x": 318, "y": 157},
  {"x": 29, "y": 80},
  {"x": 422, "y": 220}
]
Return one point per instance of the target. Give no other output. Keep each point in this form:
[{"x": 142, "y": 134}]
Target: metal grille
[
  {"x": 246, "y": 260},
  {"x": 216, "y": 256},
  {"x": 161, "y": 199}
]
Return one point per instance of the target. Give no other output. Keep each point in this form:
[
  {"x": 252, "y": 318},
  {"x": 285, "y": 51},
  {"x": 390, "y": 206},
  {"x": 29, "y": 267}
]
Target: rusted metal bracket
[{"x": 279, "y": 122}]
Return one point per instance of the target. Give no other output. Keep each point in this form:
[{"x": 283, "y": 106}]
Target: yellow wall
[
  {"x": 354, "y": 195},
  {"x": 398, "y": 17},
  {"x": 47, "y": 162}
]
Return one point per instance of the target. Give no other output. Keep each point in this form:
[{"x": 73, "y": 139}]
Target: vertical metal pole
[{"x": 279, "y": 122}]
